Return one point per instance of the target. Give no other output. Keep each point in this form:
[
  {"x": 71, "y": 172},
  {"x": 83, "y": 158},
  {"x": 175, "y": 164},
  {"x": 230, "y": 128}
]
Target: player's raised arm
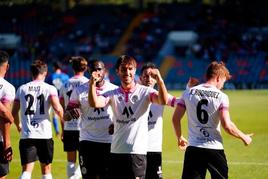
[
  {"x": 162, "y": 96},
  {"x": 93, "y": 99}
]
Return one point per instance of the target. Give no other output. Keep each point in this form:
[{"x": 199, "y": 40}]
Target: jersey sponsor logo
[
  {"x": 98, "y": 118},
  {"x": 127, "y": 111},
  {"x": 98, "y": 110}
]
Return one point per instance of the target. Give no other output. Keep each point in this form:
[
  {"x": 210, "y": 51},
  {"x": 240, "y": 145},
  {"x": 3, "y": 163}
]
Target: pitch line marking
[
  {"x": 229, "y": 163},
  {"x": 178, "y": 162}
]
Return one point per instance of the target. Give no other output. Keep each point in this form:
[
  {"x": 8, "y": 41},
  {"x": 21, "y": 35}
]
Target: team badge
[
  {"x": 135, "y": 98},
  {"x": 120, "y": 98}
]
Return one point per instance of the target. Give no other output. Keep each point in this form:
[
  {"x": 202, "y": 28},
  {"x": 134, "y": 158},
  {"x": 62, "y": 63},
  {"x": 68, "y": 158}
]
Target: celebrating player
[
  {"x": 207, "y": 107},
  {"x": 131, "y": 105},
  {"x": 95, "y": 139}
]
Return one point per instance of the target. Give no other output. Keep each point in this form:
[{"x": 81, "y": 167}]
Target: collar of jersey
[{"x": 122, "y": 90}]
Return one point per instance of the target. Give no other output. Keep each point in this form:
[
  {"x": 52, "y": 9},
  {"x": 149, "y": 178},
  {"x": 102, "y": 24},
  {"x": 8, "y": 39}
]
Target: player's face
[
  {"x": 126, "y": 73},
  {"x": 146, "y": 78},
  {"x": 98, "y": 67}
]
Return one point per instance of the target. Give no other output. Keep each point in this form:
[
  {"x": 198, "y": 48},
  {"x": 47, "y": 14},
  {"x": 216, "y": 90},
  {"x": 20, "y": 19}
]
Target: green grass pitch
[{"x": 249, "y": 111}]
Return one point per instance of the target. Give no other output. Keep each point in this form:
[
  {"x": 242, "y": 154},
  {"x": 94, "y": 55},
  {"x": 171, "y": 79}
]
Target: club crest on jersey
[
  {"x": 120, "y": 98},
  {"x": 1, "y": 86},
  {"x": 135, "y": 98}
]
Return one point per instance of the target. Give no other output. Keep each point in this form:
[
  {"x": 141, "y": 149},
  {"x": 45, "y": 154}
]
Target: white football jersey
[
  {"x": 155, "y": 125},
  {"x": 65, "y": 94},
  {"x": 34, "y": 98},
  {"x": 203, "y": 103},
  {"x": 95, "y": 122},
  {"x": 131, "y": 111},
  {"x": 7, "y": 95}
]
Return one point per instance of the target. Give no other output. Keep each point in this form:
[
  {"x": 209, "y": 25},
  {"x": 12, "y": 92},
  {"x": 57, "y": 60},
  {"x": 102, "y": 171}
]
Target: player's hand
[
  {"x": 247, "y": 139},
  {"x": 182, "y": 143},
  {"x": 73, "y": 113},
  {"x": 155, "y": 73},
  {"x": 8, "y": 153},
  {"x": 95, "y": 77},
  {"x": 19, "y": 127}
]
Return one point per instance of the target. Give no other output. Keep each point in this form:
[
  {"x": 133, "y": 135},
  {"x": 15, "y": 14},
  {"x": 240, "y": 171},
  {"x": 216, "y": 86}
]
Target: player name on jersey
[
  {"x": 206, "y": 93},
  {"x": 34, "y": 88}
]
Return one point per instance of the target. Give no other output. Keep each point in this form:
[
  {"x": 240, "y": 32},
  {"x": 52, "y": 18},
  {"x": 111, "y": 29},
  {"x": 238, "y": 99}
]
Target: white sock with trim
[
  {"x": 25, "y": 175},
  {"x": 70, "y": 167},
  {"x": 47, "y": 176}
]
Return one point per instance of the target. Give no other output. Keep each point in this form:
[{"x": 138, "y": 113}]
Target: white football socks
[
  {"x": 47, "y": 176},
  {"x": 26, "y": 175}
]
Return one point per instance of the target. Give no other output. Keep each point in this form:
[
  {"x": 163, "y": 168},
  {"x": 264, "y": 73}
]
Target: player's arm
[
  {"x": 231, "y": 128},
  {"x": 5, "y": 113},
  {"x": 94, "y": 100},
  {"x": 15, "y": 114},
  {"x": 6, "y": 131},
  {"x": 57, "y": 108},
  {"x": 176, "y": 120},
  {"x": 162, "y": 96}
]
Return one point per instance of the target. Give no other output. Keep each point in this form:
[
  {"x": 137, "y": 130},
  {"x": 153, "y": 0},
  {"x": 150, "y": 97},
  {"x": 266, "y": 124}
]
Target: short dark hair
[
  {"x": 147, "y": 65},
  {"x": 57, "y": 65},
  {"x": 4, "y": 57},
  {"x": 92, "y": 62},
  {"x": 79, "y": 64},
  {"x": 125, "y": 59},
  {"x": 38, "y": 67}
]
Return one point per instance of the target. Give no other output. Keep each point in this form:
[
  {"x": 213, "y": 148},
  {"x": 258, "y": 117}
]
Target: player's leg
[
  {"x": 87, "y": 158},
  {"x": 70, "y": 167},
  {"x": 45, "y": 150},
  {"x": 139, "y": 164},
  {"x": 194, "y": 165},
  {"x": 217, "y": 164},
  {"x": 121, "y": 166},
  {"x": 154, "y": 165},
  {"x": 71, "y": 145},
  {"x": 103, "y": 159},
  {"x": 46, "y": 170},
  {"x": 28, "y": 155},
  {"x": 27, "y": 171}
]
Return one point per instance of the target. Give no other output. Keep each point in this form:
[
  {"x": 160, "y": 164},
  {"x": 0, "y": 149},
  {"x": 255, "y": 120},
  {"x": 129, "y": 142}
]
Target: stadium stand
[{"x": 238, "y": 37}]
